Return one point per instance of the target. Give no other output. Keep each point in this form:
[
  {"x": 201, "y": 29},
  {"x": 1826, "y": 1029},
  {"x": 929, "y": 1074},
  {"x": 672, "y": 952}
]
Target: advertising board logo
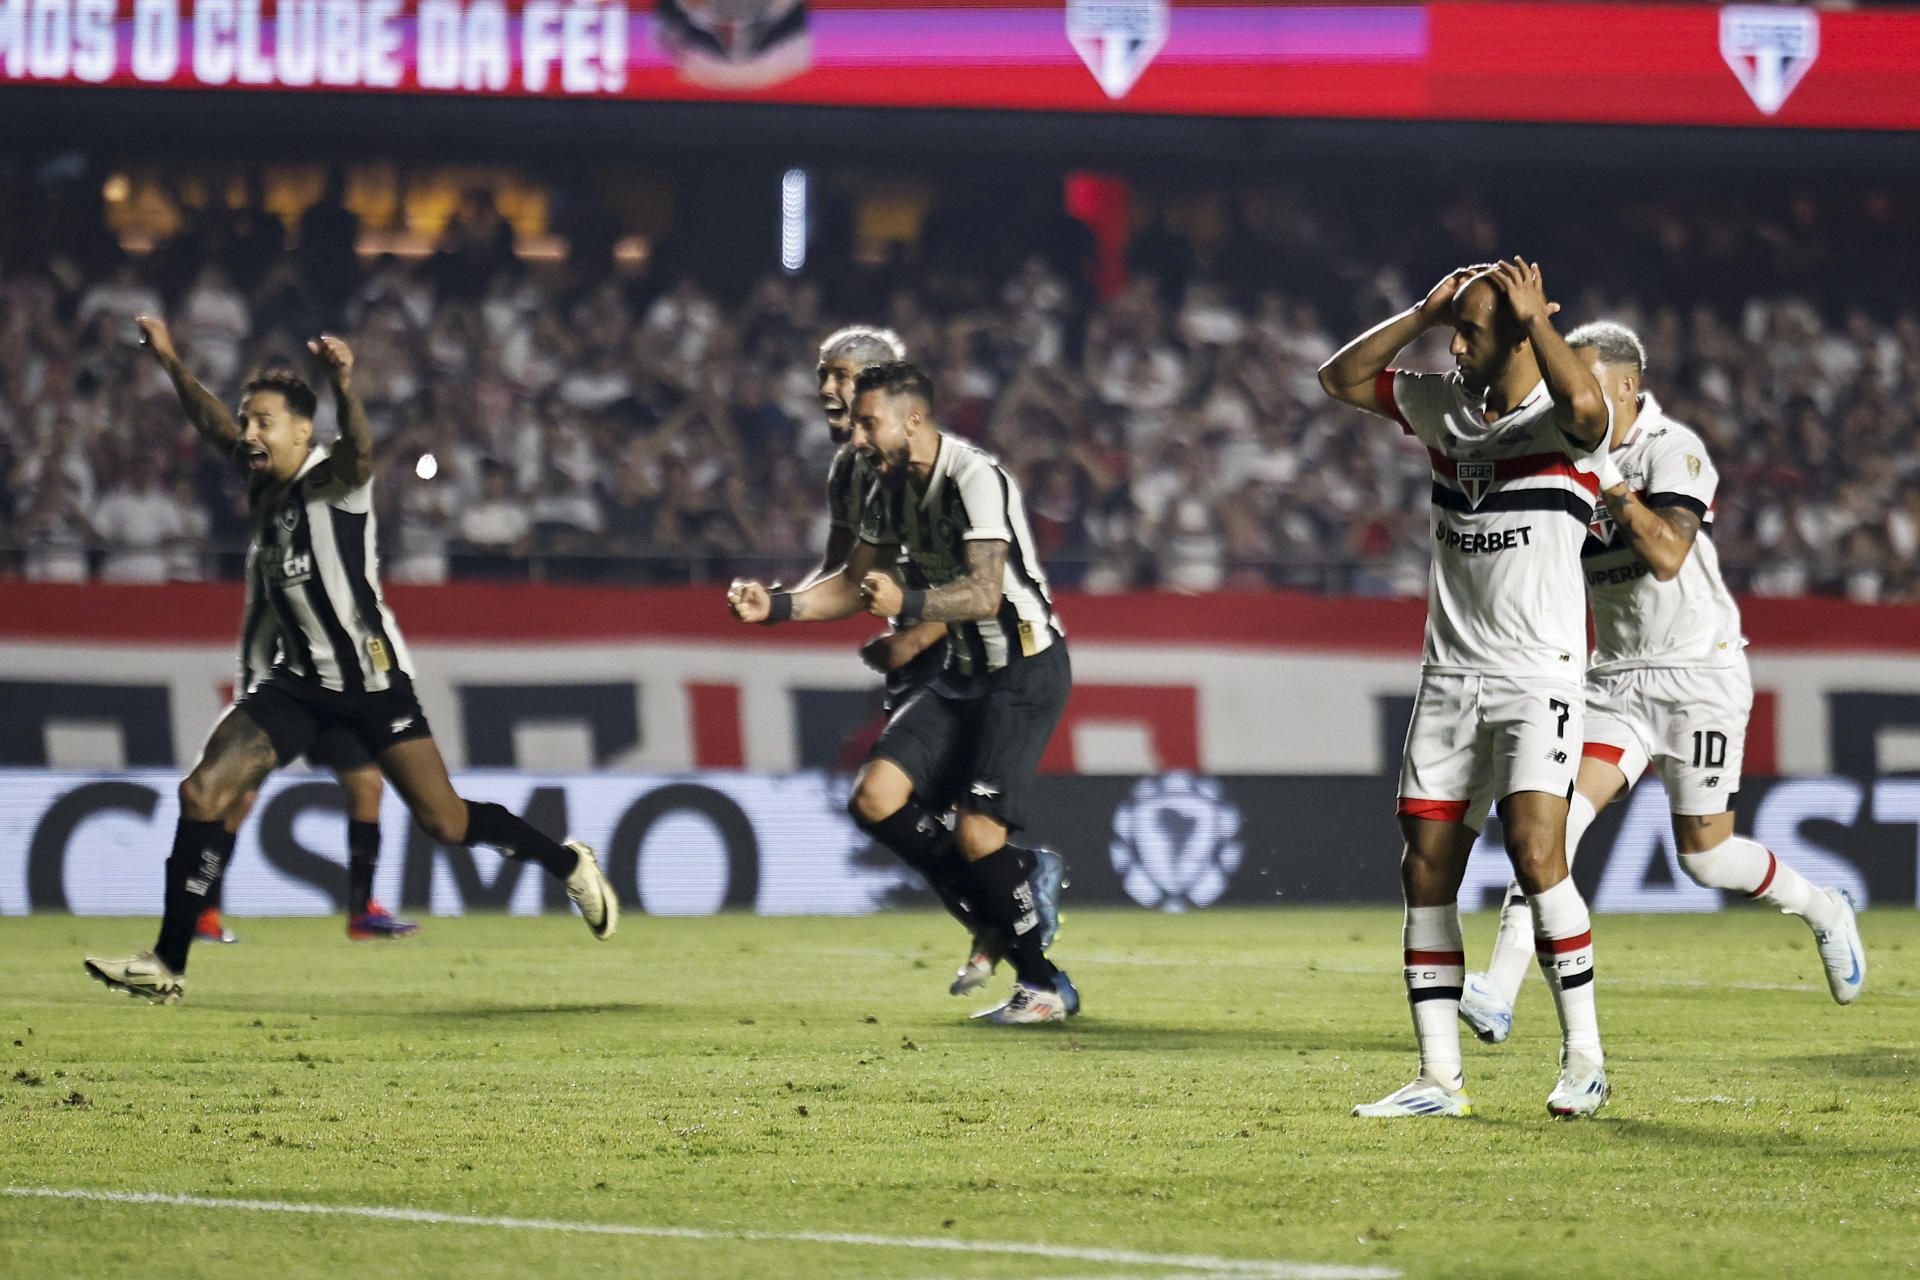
[
  {"x": 1769, "y": 50},
  {"x": 1176, "y": 841},
  {"x": 1117, "y": 39}
]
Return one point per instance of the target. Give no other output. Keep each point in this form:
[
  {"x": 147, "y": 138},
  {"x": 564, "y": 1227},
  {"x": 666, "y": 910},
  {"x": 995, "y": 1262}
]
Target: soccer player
[
  {"x": 1512, "y": 435},
  {"x": 972, "y": 739},
  {"x": 908, "y": 657},
  {"x": 341, "y": 663},
  {"x": 1668, "y": 683}
]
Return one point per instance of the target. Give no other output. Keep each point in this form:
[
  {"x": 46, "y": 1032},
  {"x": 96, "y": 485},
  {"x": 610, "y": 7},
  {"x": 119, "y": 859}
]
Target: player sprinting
[
  {"x": 908, "y": 657},
  {"x": 334, "y": 749},
  {"x": 341, "y": 663},
  {"x": 972, "y": 739},
  {"x": 1512, "y": 435},
  {"x": 1667, "y": 684}
]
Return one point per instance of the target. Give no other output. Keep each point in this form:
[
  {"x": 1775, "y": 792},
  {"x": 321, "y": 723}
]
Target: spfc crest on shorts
[
  {"x": 1769, "y": 50},
  {"x": 1117, "y": 39},
  {"x": 1475, "y": 479}
]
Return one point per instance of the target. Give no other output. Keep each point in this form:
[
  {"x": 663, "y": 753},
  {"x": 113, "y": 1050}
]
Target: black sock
[
  {"x": 1005, "y": 897},
  {"x": 512, "y": 835},
  {"x": 363, "y": 854},
  {"x": 199, "y": 859},
  {"x": 919, "y": 839}
]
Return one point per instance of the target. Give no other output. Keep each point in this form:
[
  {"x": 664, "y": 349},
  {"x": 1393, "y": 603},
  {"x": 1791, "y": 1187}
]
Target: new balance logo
[
  {"x": 1558, "y": 757},
  {"x": 1713, "y": 781}
]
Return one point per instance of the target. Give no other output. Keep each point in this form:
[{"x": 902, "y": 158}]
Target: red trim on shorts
[
  {"x": 1560, "y": 946},
  {"x": 1383, "y": 395},
  {"x": 1437, "y": 957},
  {"x": 1437, "y": 810},
  {"x": 1601, "y": 751},
  {"x": 1773, "y": 865}
]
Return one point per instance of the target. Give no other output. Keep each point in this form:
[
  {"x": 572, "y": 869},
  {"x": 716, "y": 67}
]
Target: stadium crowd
[{"x": 576, "y": 420}]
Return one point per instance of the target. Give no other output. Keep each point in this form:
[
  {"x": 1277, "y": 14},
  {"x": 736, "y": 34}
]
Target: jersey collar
[
  {"x": 942, "y": 463},
  {"x": 1649, "y": 411}
]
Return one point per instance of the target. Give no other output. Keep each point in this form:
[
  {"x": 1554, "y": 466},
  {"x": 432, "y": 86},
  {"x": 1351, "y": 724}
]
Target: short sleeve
[
  {"x": 1419, "y": 402},
  {"x": 875, "y": 528},
  {"x": 984, "y": 498},
  {"x": 1681, "y": 475}
]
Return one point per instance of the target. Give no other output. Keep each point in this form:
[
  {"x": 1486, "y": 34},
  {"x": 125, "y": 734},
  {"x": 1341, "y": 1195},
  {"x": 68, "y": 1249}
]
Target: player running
[
  {"x": 971, "y": 740},
  {"x": 908, "y": 657},
  {"x": 341, "y": 664},
  {"x": 1668, "y": 683},
  {"x": 1512, "y": 435}
]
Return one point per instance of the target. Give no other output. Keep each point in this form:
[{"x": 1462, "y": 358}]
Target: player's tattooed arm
[
  {"x": 838, "y": 595},
  {"x": 975, "y": 596},
  {"x": 1662, "y": 537},
  {"x": 211, "y": 419},
  {"x": 352, "y": 456}
]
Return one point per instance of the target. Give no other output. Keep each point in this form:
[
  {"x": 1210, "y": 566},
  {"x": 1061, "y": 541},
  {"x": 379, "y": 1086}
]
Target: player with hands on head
[{"x": 1514, "y": 435}]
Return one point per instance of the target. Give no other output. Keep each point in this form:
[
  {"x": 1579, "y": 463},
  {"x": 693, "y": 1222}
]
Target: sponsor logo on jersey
[
  {"x": 1117, "y": 39},
  {"x": 1475, "y": 479},
  {"x": 1477, "y": 544},
  {"x": 1176, "y": 841},
  {"x": 1769, "y": 50}
]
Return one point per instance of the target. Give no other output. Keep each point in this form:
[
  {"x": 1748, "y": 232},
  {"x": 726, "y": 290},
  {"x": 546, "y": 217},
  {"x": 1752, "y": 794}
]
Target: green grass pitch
[{"x": 804, "y": 1096}]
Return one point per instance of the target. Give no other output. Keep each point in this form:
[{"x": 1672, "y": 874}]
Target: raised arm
[
  {"x": 352, "y": 456},
  {"x": 1579, "y": 406},
  {"x": 969, "y": 599},
  {"x": 211, "y": 419},
  {"x": 1350, "y": 373}
]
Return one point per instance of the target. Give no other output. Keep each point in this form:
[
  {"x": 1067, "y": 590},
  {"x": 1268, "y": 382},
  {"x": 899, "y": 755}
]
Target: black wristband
[
  {"x": 913, "y": 603},
  {"x": 779, "y": 607}
]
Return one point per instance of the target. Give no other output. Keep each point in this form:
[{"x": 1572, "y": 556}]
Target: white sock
[
  {"x": 1513, "y": 946},
  {"x": 1563, "y": 935},
  {"x": 1749, "y": 867},
  {"x": 1436, "y": 964}
]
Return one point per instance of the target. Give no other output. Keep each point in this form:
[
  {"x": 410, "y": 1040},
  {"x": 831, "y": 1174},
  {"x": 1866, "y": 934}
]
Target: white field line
[{"x": 1235, "y": 1268}]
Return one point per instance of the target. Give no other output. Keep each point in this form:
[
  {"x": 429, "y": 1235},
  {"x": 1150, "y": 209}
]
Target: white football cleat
[
  {"x": 981, "y": 962},
  {"x": 143, "y": 974},
  {"x": 1425, "y": 1096},
  {"x": 1036, "y": 1004},
  {"x": 1484, "y": 1008},
  {"x": 589, "y": 887},
  {"x": 1841, "y": 950},
  {"x": 1582, "y": 1089}
]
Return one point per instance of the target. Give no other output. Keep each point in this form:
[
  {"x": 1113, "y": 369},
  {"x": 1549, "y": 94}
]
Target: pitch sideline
[{"x": 1233, "y": 1268}]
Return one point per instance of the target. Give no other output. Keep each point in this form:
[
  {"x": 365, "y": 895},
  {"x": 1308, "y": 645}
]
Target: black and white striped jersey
[
  {"x": 968, "y": 498},
  {"x": 849, "y": 478},
  {"x": 314, "y": 606}
]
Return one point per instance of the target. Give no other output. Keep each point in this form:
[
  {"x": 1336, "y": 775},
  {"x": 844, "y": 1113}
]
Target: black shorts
[
  {"x": 981, "y": 752},
  {"x": 300, "y": 718},
  {"x": 918, "y": 671}
]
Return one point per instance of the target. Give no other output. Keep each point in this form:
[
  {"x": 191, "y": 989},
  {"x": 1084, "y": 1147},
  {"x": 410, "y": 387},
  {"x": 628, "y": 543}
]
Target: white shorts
[
  {"x": 1689, "y": 722},
  {"x": 1477, "y": 739}
]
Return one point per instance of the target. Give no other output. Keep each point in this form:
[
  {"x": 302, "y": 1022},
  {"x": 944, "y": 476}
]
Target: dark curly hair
[{"x": 301, "y": 402}]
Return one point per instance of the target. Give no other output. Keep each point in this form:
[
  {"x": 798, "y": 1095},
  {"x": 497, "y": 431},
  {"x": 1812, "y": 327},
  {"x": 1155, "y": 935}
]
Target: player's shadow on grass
[
  {"x": 1124, "y": 1037},
  {"x": 1881, "y": 1062}
]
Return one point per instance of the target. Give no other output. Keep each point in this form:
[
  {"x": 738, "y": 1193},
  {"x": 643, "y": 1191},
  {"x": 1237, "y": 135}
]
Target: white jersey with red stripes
[
  {"x": 1638, "y": 620},
  {"x": 1512, "y": 500}
]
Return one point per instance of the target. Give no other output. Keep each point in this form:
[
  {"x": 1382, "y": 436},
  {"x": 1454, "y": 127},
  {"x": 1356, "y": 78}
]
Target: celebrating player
[
  {"x": 341, "y": 663},
  {"x": 1512, "y": 435},
  {"x": 972, "y": 739},
  {"x": 1668, "y": 684}
]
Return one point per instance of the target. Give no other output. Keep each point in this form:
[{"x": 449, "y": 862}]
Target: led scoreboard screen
[{"x": 1599, "y": 63}]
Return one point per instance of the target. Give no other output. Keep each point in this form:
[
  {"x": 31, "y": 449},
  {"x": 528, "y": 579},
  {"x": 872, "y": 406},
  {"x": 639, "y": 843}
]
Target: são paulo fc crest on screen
[
  {"x": 1117, "y": 39},
  {"x": 1769, "y": 50},
  {"x": 1176, "y": 841}
]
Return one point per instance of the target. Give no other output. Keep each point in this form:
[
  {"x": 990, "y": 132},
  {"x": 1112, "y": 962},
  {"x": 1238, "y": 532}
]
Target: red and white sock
[
  {"x": 1513, "y": 946},
  {"x": 1563, "y": 938},
  {"x": 1436, "y": 964},
  {"x": 1749, "y": 867}
]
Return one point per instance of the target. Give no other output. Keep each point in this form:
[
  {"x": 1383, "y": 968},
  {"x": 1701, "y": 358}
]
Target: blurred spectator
[{"x": 141, "y": 524}]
